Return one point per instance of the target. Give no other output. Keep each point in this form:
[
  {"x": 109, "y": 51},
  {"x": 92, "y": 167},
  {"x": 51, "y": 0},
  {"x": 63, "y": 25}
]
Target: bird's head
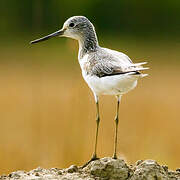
[{"x": 75, "y": 27}]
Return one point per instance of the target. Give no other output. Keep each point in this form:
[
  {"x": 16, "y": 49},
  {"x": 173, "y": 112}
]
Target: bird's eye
[{"x": 71, "y": 25}]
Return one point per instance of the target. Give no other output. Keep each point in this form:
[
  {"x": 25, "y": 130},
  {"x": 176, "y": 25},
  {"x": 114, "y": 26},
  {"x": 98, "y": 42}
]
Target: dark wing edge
[
  {"x": 121, "y": 73},
  {"x": 108, "y": 69}
]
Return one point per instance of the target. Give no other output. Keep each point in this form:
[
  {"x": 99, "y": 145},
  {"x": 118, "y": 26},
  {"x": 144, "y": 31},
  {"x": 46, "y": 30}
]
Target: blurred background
[{"x": 47, "y": 112}]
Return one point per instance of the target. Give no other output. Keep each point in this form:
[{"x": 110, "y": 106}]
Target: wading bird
[{"x": 106, "y": 71}]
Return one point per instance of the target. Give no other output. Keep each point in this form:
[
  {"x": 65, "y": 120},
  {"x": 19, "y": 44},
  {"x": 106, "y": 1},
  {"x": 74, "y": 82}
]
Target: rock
[
  {"x": 149, "y": 170},
  {"x": 72, "y": 169},
  {"x": 102, "y": 169},
  {"x": 108, "y": 168}
]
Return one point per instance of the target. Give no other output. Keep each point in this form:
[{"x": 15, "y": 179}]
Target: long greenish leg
[
  {"x": 97, "y": 128},
  {"x": 94, "y": 157},
  {"x": 116, "y": 129}
]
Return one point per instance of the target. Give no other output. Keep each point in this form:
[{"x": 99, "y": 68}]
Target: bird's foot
[
  {"x": 114, "y": 156},
  {"x": 92, "y": 159}
]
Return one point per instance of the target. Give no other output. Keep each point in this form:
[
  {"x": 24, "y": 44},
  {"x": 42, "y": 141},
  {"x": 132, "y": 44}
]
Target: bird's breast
[{"x": 86, "y": 64}]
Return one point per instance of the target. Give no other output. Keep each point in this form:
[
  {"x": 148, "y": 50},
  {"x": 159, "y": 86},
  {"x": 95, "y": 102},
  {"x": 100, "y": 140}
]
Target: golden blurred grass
[{"x": 47, "y": 112}]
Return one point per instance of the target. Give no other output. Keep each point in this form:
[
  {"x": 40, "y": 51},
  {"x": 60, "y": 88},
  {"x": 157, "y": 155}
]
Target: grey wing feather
[
  {"x": 119, "y": 55},
  {"x": 105, "y": 69},
  {"x": 109, "y": 62}
]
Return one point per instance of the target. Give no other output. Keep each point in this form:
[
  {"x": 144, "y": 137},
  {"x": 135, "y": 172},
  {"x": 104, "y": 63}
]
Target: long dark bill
[{"x": 57, "y": 33}]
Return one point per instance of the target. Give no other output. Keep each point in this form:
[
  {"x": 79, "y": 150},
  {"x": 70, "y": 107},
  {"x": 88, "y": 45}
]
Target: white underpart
[
  {"x": 115, "y": 84},
  {"x": 110, "y": 85}
]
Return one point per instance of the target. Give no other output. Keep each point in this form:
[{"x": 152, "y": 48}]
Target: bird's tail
[{"x": 139, "y": 67}]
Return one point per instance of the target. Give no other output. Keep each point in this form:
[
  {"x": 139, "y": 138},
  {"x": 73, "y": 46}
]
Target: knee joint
[
  {"x": 97, "y": 119},
  {"x": 116, "y": 119}
]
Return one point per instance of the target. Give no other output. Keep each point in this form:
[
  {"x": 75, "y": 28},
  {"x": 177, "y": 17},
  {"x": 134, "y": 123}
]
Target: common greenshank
[{"x": 106, "y": 71}]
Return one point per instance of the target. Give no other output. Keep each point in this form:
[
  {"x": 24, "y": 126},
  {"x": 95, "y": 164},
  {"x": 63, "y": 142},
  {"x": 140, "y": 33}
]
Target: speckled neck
[{"x": 88, "y": 42}]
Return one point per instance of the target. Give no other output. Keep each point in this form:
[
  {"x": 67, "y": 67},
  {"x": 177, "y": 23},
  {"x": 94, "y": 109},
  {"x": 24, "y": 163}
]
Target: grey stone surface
[
  {"x": 102, "y": 169},
  {"x": 108, "y": 168}
]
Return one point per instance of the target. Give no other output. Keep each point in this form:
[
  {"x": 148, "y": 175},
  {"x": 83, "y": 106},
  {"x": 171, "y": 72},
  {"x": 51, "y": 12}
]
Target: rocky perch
[{"x": 102, "y": 169}]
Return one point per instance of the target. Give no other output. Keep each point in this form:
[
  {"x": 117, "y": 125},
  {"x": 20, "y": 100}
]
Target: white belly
[{"x": 111, "y": 85}]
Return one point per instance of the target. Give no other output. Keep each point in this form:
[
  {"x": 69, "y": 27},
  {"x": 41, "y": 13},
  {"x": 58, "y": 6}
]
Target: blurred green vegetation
[{"x": 137, "y": 17}]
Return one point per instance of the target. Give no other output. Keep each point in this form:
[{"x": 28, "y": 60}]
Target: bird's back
[{"x": 107, "y": 62}]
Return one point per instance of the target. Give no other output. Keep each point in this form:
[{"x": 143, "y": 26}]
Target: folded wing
[{"x": 110, "y": 63}]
